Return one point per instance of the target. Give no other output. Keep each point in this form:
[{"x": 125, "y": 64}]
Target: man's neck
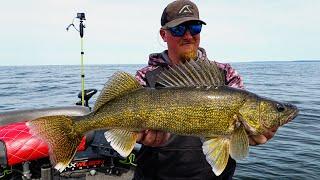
[{"x": 174, "y": 57}]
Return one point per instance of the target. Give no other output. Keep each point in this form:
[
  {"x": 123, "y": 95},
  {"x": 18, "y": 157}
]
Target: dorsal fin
[
  {"x": 118, "y": 84},
  {"x": 192, "y": 74}
]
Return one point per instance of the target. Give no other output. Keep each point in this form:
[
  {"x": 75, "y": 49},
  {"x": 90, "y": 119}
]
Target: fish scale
[{"x": 189, "y": 112}]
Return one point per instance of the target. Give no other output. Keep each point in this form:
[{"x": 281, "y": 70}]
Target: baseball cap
[{"x": 178, "y": 12}]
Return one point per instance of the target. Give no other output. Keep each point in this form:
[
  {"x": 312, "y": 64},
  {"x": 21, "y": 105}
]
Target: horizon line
[{"x": 253, "y": 61}]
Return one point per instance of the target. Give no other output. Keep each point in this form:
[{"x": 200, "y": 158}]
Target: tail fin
[{"x": 59, "y": 133}]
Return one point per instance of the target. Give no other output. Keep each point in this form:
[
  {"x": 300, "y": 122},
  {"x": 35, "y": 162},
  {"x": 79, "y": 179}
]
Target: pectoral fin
[
  {"x": 239, "y": 145},
  {"x": 122, "y": 141},
  {"x": 217, "y": 153}
]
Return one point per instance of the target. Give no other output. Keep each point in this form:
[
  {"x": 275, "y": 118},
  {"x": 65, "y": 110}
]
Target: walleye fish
[{"x": 194, "y": 101}]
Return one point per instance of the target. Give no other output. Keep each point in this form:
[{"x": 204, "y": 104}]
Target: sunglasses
[{"x": 181, "y": 29}]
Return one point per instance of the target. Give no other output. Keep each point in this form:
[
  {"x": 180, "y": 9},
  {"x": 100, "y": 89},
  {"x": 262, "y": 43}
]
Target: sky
[{"x": 34, "y": 32}]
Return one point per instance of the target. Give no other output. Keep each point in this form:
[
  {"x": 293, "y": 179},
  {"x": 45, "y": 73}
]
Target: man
[{"x": 165, "y": 156}]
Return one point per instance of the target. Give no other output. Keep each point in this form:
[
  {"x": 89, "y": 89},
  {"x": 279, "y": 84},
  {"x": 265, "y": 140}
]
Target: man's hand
[
  {"x": 262, "y": 139},
  {"x": 153, "y": 138}
]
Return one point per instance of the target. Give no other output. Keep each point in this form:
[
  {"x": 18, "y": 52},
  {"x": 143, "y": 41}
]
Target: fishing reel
[{"x": 88, "y": 93}]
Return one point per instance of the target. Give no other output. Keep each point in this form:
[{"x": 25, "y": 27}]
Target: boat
[{"x": 24, "y": 156}]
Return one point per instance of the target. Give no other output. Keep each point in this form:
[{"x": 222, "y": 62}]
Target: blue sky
[{"x": 125, "y": 31}]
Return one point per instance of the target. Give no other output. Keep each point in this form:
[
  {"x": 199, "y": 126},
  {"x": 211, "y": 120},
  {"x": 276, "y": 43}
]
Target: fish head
[
  {"x": 275, "y": 114},
  {"x": 260, "y": 114}
]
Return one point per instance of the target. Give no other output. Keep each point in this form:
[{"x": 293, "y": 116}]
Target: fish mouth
[{"x": 292, "y": 115}]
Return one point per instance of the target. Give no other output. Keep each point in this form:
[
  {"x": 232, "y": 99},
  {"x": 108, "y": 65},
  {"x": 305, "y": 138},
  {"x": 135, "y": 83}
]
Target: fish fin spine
[
  {"x": 217, "y": 151},
  {"x": 239, "y": 143},
  {"x": 192, "y": 74},
  {"x": 122, "y": 141},
  {"x": 119, "y": 84}
]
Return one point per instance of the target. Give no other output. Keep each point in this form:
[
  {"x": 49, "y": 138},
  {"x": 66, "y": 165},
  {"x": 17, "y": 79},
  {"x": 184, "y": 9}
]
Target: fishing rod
[{"x": 82, "y": 18}]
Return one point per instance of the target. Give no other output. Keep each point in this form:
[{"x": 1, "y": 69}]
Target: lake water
[{"x": 294, "y": 153}]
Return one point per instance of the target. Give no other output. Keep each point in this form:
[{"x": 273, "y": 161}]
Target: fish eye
[{"x": 280, "y": 108}]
